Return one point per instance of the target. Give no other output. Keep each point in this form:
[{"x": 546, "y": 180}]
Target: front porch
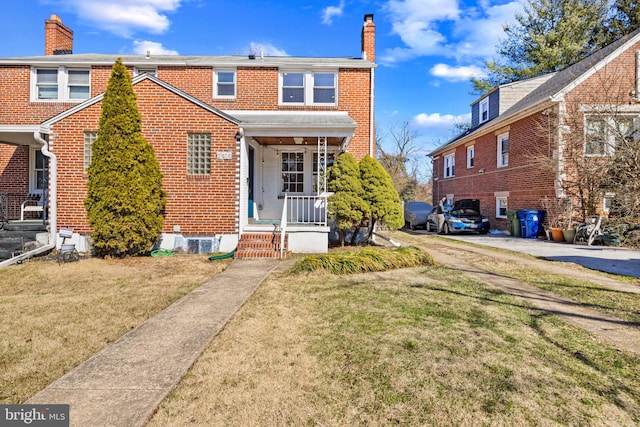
[{"x": 283, "y": 176}]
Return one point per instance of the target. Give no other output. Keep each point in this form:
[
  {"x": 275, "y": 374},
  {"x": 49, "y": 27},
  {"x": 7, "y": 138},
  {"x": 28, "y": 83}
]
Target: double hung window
[
  {"x": 61, "y": 84},
  {"x": 449, "y": 165},
  {"x": 471, "y": 154},
  {"x": 503, "y": 150},
  {"x": 308, "y": 88},
  {"x": 225, "y": 84}
]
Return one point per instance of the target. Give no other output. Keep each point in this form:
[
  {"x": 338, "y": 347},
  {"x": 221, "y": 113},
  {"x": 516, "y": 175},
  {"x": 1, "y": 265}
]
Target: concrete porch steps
[
  {"x": 19, "y": 236},
  {"x": 260, "y": 246}
]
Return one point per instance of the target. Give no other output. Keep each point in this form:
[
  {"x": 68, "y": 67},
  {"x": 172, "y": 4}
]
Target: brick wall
[
  {"x": 257, "y": 89},
  {"x": 200, "y": 205},
  {"x": 527, "y": 178},
  {"x": 14, "y": 177}
]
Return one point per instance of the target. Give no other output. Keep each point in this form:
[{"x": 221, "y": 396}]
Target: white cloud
[
  {"x": 330, "y": 12},
  {"x": 456, "y": 74},
  {"x": 479, "y": 36},
  {"x": 265, "y": 49},
  {"x": 124, "y": 17},
  {"x": 141, "y": 47},
  {"x": 444, "y": 27},
  {"x": 436, "y": 120}
]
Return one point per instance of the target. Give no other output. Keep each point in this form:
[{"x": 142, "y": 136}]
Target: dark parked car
[
  {"x": 464, "y": 215},
  {"x": 415, "y": 214}
]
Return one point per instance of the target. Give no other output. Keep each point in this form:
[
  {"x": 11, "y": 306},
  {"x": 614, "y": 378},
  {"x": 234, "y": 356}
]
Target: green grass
[{"x": 452, "y": 345}]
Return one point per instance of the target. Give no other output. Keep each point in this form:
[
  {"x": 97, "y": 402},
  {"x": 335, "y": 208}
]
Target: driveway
[{"x": 622, "y": 261}]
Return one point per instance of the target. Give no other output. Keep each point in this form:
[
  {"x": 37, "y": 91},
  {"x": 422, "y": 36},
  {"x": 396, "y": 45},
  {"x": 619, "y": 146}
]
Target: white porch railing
[{"x": 302, "y": 210}]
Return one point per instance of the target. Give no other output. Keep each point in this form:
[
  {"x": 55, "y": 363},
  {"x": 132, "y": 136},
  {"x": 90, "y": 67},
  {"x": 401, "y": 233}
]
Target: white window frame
[
  {"x": 483, "y": 107},
  {"x": 308, "y": 87},
  {"x": 609, "y": 132},
  {"x": 62, "y": 83},
  {"x": 217, "y": 83},
  {"x": 499, "y": 201},
  {"x": 471, "y": 155},
  {"x": 449, "y": 165},
  {"x": 33, "y": 170},
  {"x": 502, "y": 158},
  {"x": 284, "y": 182},
  {"x": 198, "y": 154}
]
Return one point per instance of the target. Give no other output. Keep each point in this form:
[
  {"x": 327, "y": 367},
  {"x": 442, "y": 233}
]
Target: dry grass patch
[
  {"x": 417, "y": 346},
  {"x": 53, "y": 317}
]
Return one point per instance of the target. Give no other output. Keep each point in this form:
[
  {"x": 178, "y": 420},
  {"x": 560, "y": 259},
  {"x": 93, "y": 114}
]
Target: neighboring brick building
[
  {"x": 233, "y": 134},
  {"x": 527, "y": 138}
]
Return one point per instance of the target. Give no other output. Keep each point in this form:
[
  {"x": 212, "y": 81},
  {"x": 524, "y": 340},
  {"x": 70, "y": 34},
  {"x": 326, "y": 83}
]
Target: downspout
[
  {"x": 53, "y": 205},
  {"x": 372, "y": 116}
]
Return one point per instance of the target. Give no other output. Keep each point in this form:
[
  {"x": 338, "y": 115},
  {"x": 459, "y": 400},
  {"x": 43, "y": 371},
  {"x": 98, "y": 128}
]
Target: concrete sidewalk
[{"x": 123, "y": 384}]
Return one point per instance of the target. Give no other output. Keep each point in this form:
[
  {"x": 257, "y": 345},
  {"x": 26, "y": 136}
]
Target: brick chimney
[
  {"x": 58, "y": 39},
  {"x": 369, "y": 38}
]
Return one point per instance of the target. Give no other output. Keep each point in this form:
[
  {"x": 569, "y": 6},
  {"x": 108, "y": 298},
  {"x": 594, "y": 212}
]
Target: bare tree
[{"x": 594, "y": 149}]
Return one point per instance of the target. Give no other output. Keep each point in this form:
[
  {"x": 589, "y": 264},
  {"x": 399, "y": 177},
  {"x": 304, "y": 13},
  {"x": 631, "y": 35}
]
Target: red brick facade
[
  {"x": 198, "y": 205},
  {"x": 540, "y": 139}
]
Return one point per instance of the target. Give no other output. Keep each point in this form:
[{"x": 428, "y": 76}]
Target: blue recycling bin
[{"x": 530, "y": 222}]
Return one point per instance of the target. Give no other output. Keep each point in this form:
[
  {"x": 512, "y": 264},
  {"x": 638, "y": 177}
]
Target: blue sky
[{"x": 426, "y": 49}]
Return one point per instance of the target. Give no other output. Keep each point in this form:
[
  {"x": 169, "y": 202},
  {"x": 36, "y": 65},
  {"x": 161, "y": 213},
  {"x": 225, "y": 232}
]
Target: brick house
[
  {"x": 242, "y": 141},
  {"x": 529, "y": 140}
]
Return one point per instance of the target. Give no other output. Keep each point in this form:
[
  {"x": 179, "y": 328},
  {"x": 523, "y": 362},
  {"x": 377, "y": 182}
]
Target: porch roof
[
  {"x": 19, "y": 135},
  {"x": 295, "y": 123}
]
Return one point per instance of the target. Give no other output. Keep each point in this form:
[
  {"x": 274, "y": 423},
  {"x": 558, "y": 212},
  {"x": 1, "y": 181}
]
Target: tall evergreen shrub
[
  {"x": 347, "y": 206},
  {"x": 125, "y": 199},
  {"x": 380, "y": 194}
]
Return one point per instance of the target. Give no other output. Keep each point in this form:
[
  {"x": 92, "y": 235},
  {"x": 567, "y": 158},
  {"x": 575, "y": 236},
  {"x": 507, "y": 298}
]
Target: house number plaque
[{"x": 225, "y": 155}]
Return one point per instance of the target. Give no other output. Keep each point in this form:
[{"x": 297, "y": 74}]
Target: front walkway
[{"x": 123, "y": 384}]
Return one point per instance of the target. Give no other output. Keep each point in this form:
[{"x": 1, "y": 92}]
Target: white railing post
[{"x": 283, "y": 225}]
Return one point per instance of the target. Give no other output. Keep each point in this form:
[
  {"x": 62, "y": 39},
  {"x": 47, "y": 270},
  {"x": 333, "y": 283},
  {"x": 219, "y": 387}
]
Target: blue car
[{"x": 463, "y": 216}]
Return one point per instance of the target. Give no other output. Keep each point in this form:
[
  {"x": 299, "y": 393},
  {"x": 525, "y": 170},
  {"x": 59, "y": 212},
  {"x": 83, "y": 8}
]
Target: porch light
[{"x": 238, "y": 136}]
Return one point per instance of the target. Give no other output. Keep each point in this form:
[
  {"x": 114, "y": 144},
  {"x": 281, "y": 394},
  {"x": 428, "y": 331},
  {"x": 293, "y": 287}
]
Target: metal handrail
[{"x": 302, "y": 210}]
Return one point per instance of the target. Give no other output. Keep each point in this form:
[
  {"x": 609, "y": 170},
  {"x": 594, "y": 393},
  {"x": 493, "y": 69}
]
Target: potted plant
[
  {"x": 551, "y": 205},
  {"x": 569, "y": 232}
]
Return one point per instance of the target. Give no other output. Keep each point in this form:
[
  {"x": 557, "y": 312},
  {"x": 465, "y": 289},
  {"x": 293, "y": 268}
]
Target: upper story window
[
  {"x": 324, "y": 88},
  {"x": 604, "y": 134},
  {"x": 503, "y": 150},
  {"x": 60, "y": 84},
  {"x": 308, "y": 88},
  {"x": 471, "y": 154},
  {"x": 224, "y": 83},
  {"x": 484, "y": 110},
  {"x": 450, "y": 165}
]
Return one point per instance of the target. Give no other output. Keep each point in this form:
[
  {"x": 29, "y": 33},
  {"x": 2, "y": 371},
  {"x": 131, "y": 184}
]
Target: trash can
[
  {"x": 530, "y": 222},
  {"x": 514, "y": 223}
]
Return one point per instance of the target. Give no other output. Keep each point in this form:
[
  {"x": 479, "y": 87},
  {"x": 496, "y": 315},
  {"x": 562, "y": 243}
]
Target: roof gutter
[
  {"x": 53, "y": 205},
  {"x": 498, "y": 124}
]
